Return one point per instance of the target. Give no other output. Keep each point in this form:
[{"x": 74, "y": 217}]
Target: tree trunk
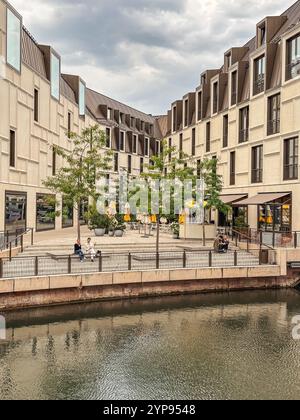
[
  {"x": 78, "y": 223},
  {"x": 204, "y": 235},
  {"x": 157, "y": 234}
]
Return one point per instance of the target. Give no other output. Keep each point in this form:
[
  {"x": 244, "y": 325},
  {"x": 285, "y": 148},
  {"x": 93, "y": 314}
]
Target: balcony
[
  {"x": 232, "y": 179},
  {"x": 259, "y": 85},
  {"x": 244, "y": 135},
  {"x": 293, "y": 69},
  {"x": 273, "y": 127},
  {"x": 234, "y": 98},
  {"x": 290, "y": 172}
]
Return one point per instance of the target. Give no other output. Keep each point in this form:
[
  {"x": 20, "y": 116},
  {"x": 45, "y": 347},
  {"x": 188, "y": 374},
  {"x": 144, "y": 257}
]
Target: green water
[{"x": 214, "y": 346}]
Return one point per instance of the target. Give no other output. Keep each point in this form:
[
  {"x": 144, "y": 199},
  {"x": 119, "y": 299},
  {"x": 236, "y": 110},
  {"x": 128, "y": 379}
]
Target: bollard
[
  {"x": 129, "y": 262},
  {"x": 184, "y": 259}
]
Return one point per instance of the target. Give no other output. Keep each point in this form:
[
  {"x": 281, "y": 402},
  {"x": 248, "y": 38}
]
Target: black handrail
[{"x": 10, "y": 244}]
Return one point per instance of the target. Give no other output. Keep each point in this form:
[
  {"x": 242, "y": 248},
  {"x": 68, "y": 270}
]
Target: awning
[
  {"x": 261, "y": 199},
  {"x": 232, "y": 198}
]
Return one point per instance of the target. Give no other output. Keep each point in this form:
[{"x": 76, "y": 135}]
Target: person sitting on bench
[
  {"x": 221, "y": 245},
  {"x": 90, "y": 249},
  {"x": 78, "y": 250}
]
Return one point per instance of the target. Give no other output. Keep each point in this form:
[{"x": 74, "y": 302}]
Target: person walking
[
  {"x": 90, "y": 249},
  {"x": 78, "y": 250}
]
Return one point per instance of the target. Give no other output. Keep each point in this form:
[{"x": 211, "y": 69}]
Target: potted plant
[
  {"x": 113, "y": 223},
  {"x": 120, "y": 226},
  {"x": 98, "y": 222},
  {"x": 175, "y": 229}
]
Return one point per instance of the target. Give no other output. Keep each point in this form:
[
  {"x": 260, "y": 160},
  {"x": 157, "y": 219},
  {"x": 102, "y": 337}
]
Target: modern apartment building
[
  {"x": 39, "y": 107},
  {"x": 247, "y": 115}
]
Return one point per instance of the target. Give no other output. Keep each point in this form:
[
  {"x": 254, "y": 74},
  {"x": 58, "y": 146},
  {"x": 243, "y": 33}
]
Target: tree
[
  {"x": 169, "y": 164},
  {"x": 87, "y": 163},
  {"x": 213, "y": 187}
]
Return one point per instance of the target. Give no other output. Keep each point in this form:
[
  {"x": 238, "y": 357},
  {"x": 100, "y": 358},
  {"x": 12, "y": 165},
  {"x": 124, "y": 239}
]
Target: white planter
[
  {"x": 111, "y": 233},
  {"x": 99, "y": 232},
  {"x": 119, "y": 233}
]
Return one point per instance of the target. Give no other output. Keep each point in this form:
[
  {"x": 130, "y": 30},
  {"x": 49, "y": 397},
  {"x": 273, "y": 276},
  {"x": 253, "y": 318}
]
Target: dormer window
[
  {"x": 186, "y": 111},
  {"x": 203, "y": 79},
  {"x": 174, "y": 119},
  {"x": 259, "y": 75},
  {"x": 234, "y": 88},
  {"x": 228, "y": 61},
  {"x": 55, "y": 76},
  {"x": 293, "y": 58},
  {"x": 262, "y": 35},
  {"x": 215, "y": 98},
  {"x": 110, "y": 114},
  {"x": 199, "y": 106},
  {"x": 13, "y": 45},
  {"x": 81, "y": 101}
]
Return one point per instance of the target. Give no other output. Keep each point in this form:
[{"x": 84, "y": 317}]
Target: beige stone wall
[{"x": 34, "y": 140}]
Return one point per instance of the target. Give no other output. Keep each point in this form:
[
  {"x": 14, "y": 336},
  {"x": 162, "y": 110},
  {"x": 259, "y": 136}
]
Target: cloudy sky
[{"x": 146, "y": 53}]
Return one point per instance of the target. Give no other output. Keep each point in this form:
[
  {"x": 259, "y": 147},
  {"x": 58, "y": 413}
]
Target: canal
[{"x": 214, "y": 346}]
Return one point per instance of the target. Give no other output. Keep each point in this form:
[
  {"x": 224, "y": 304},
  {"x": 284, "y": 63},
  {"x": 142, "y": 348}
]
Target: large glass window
[
  {"x": 257, "y": 164},
  {"x": 67, "y": 213},
  {"x": 293, "y": 57},
  {"x": 259, "y": 75},
  {"x": 55, "y": 76},
  {"x": 290, "y": 170},
  {"x": 15, "y": 211},
  {"x": 13, "y": 55},
  {"x": 45, "y": 212},
  {"x": 81, "y": 98}
]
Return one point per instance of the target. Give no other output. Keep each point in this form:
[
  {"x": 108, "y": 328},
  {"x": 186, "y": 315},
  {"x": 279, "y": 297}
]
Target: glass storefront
[
  {"x": 45, "y": 212},
  {"x": 275, "y": 217},
  {"x": 15, "y": 211},
  {"x": 67, "y": 213}
]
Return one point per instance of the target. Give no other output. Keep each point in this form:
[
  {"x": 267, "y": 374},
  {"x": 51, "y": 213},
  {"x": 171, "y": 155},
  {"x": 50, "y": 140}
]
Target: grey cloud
[{"x": 145, "y": 52}]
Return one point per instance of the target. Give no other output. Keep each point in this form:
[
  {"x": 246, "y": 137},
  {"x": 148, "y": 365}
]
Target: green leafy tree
[
  {"x": 213, "y": 188},
  {"x": 169, "y": 164},
  {"x": 87, "y": 163}
]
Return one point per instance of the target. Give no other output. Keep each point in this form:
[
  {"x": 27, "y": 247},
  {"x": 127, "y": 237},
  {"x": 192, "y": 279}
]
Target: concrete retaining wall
[{"x": 50, "y": 290}]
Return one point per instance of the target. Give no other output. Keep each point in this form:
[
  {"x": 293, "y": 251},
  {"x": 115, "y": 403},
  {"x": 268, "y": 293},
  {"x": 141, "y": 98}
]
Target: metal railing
[
  {"x": 15, "y": 239},
  {"x": 273, "y": 127},
  {"x": 244, "y": 135},
  {"x": 120, "y": 262}
]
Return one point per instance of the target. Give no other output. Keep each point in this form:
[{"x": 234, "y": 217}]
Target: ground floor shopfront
[{"x": 23, "y": 208}]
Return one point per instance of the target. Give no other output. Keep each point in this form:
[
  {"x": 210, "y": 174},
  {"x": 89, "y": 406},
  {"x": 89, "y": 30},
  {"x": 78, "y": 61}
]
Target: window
[
  {"x": 13, "y": 45},
  {"x": 208, "y": 137},
  {"x": 293, "y": 58},
  {"x": 15, "y": 211},
  {"x": 232, "y": 168},
  {"x": 157, "y": 151},
  {"x": 186, "y": 110},
  {"x": 290, "y": 159},
  {"x": 142, "y": 126},
  {"x": 225, "y": 130},
  {"x": 45, "y": 212},
  {"x": 55, "y": 76},
  {"x": 198, "y": 169},
  {"x": 53, "y": 162},
  {"x": 122, "y": 141},
  {"x": 67, "y": 213},
  {"x": 110, "y": 114},
  {"x": 175, "y": 118},
  {"x": 116, "y": 162},
  {"x": 274, "y": 114},
  {"x": 12, "y": 149},
  {"x": 259, "y": 75},
  {"x": 134, "y": 145},
  {"x": 81, "y": 98},
  {"x": 129, "y": 164},
  {"x": 36, "y": 105},
  {"x": 215, "y": 98},
  {"x": 69, "y": 124},
  {"x": 228, "y": 61},
  {"x": 146, "y": 147},
  {"x": 199, "y": 106},
  {"x": 262, "y": 35},
  {"x": 234, "y": 88},
  {"x": 170, "y": 152},
  {"x": 203, "y": 79},
  {"x": 193, "y": 142},
  {"x": 244, "y": 125},
  {"x": 108, "y": 137},
  {"x": 141, "y": 165},
  {"x": 257, "y": 165},
  {"x": 180, "y": 144}
]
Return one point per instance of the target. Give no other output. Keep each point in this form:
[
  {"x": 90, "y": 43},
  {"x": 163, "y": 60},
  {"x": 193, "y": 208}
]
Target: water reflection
[{"x": 236, "y": 345}]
